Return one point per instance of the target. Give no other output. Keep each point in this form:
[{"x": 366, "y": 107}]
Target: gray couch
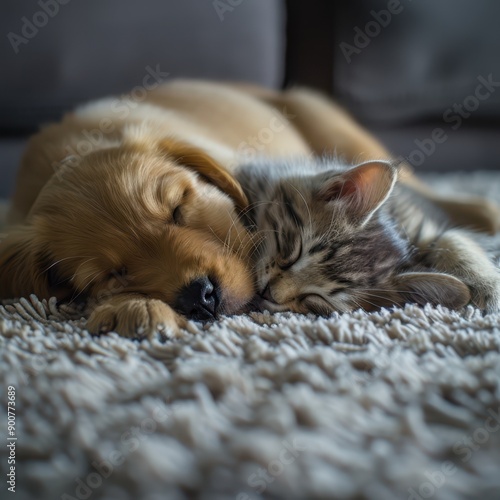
[
  {"x": 398, "y": 65},
  {"x": 401, "y": 67},
  {"x": 84, "y": 50},
  {"x": 425, "y": 76}
]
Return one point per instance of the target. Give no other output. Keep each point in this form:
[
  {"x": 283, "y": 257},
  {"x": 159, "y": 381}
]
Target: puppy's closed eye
[
  {"x": 58, "y": 284},
  {"x": 177, "y": 215},
  {"x": 118, "y": 276}
]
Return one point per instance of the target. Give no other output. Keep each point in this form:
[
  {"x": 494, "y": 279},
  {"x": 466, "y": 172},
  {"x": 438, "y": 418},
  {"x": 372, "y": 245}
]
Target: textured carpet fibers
[{"x": 402, "y": 403}]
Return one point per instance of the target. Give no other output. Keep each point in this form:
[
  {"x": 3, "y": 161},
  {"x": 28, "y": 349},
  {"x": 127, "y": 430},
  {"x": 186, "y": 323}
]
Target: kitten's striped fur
[{"x": 337, "y": 238}]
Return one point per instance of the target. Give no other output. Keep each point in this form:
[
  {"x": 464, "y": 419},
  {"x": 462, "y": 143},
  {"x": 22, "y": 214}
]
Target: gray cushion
[
  {"x": 11, "y": 150},
  {"x": 467, "y": 149},
  {"x": 91, "y": 49},
  {"x": 415, "y": 65},
  {"x": 409, "y": 70}
]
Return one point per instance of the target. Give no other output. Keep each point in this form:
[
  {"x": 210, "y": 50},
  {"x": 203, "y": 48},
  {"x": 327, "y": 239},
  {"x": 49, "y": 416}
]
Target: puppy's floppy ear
[
  {"x": 363, "y": 189},
  {"x": 19, "y": 275},
  {"x": 25, "y": 268},
  {"x": 200, "y": 161}
]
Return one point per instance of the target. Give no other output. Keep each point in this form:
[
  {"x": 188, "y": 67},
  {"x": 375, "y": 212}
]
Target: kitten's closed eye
[
  {"x": 286, "y": 262},
  {"x": 322, "y": 241}
]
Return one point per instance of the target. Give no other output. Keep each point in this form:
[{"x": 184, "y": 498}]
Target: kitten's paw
[
  {"x": 136, "y": 317},
  {"x": 486, "y": 295}
]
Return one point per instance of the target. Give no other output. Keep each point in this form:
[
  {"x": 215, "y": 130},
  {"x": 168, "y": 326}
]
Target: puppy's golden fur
[{"x": 127, "y": 203}]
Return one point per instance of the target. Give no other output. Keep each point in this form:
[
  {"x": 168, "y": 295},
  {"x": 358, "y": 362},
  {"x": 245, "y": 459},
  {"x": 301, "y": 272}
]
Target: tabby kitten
[{"x": 338, "y": 238}]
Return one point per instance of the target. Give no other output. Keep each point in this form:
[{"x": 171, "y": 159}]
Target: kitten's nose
[
  {"x": 199, "y": 300},
  {"x": 266, "y": 293}
]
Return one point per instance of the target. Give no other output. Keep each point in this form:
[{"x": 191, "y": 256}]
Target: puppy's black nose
[{"x": 199, "y": 300}]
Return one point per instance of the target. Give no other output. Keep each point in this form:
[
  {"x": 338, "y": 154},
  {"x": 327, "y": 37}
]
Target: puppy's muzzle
[{"x": 199, "y": 300}]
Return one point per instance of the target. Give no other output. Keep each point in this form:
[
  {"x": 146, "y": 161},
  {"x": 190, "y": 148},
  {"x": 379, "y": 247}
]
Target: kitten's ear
[
  {"x": 363, "y": 188},
  {"x": 434, "y": 288}
]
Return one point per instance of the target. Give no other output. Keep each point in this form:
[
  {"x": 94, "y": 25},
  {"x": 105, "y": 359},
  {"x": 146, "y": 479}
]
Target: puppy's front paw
[{"x": 136, "y": 317}]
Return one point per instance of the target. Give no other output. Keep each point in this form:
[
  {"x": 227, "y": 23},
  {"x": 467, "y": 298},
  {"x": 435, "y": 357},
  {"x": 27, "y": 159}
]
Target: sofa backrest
[
  {"x": 57, "y": 53},
  {"x": 399, "y": 61}
]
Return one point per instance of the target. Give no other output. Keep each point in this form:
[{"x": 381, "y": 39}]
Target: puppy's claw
[{"x": 136, "y": 317}]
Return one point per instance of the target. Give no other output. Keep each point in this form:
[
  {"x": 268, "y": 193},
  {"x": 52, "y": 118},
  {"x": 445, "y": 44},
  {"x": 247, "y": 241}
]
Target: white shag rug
[{"x": 399, "y": 404}]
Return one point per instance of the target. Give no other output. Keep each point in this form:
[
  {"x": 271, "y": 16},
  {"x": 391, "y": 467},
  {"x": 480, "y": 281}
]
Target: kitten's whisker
[
  {"x": 73, "y": 298},
  {"x": 232, "y": 226},
  {"x": 383, "y": 297},
  {"x": 82, "y": 264},
  {"x": 61, "y": 260},
  {"x": 371, "y": 303},
  {"x": 305, "y": 203},
  {"x": 252, "y": 243},
  {"x": 356, "y": 303},
  {"x": 257, "y": 204},
  {"x": 217, "y": 236}
]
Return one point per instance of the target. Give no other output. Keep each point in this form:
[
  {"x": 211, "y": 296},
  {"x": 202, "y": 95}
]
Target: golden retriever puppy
[{"x": 132, "y": 205}]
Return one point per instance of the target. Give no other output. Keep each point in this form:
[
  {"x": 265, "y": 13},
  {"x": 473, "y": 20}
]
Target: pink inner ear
[
  {"x": 340, "y": 189},
  {"x": 363, "y": 188}
]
